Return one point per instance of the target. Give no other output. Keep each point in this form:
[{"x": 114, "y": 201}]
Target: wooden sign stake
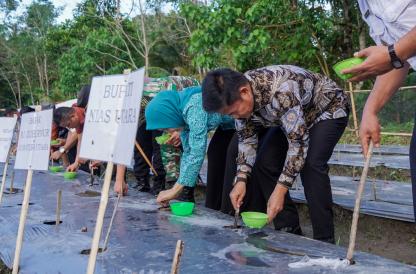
[
  {"x": 23, "y": 214},
  {"x": 3, "y": 180},
  {"x": 100, "y": 218}
]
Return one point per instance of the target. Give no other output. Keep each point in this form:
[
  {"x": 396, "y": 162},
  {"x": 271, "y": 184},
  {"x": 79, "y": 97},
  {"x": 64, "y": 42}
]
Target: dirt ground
[{"x": 391, "y": 239}]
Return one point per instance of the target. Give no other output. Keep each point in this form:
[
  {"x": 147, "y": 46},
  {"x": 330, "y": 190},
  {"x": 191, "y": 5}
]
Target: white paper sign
[
  {"x": 34, "y": 141},
  {"x": 7, "y": 126},
  {"x": 112, "y": 116}
]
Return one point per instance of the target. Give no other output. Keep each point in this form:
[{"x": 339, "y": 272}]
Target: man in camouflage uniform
[{"x": 165, "y": 158}]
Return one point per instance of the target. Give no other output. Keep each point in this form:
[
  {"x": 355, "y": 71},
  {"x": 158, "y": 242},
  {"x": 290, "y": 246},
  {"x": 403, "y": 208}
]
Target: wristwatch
[
  {"x": 394, "y": 59},
  {"x": 239, "y": 179},
  {"x": 62, "y": 150}
]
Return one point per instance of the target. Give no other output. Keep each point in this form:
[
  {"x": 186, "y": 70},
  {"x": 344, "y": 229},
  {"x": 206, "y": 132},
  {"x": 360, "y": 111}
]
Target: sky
[{"x": 69, "y": 6}]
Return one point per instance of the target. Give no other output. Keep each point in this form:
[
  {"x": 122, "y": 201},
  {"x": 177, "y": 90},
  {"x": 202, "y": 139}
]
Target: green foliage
[{"x": 42, "y": 60}]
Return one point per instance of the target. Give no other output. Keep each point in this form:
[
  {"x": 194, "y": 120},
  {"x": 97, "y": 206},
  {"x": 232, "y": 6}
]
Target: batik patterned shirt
[{"x": 294, "y": 99}]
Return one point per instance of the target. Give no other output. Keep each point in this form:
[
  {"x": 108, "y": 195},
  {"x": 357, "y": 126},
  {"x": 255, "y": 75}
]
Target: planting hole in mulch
[
  {"x": 51, "y": 222},
  {"x": 14, "y": 191},
  {"x": 89, "y": 193},
  {"x": 232, "y": 226},
  {"x": 88, "y": 251}
]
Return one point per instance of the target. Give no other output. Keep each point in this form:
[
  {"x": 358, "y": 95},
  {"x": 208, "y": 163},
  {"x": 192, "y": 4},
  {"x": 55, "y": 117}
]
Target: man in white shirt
[{"x": 393, "y": 27}]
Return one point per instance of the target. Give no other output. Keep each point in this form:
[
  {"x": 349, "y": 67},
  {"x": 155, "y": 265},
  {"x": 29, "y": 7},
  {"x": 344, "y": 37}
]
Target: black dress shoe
[
  {"x": 294, "y": 230},
  {"x": 187, "y": 194}
]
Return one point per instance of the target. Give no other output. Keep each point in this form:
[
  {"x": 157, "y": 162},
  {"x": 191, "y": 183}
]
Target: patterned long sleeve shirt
[
  {"x": 294, "y": 99},
  {"x": 194, "y": 137}
]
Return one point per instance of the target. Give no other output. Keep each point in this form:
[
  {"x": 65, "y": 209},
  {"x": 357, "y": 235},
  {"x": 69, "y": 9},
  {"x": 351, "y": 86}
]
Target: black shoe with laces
[{"x": 143, "y": 185}]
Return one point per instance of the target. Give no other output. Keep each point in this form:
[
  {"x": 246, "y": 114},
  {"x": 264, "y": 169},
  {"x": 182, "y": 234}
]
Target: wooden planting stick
[
  {"x": 139, "y": 148},
  {"x": 354, "y": 112},
  {"x": 12, "y": 182},
  {"x": 58, "y": 207},
  {"x": 177, "y": 257},
  {"x": 111, "y": 222},
  {"x": 356, "y": 213},
  {"x": 23, "y": 214},
  {"x": 100, "y": 217}
]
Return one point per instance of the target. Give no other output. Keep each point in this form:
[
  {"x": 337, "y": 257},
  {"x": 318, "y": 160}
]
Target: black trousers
[
  {"x": 257, "y": 195},
  {"x": 217, "y": 160},
  {"x": 146, "y": 139},
  {"x": 412, "y": 156},
  {"x": 315, "y": 179}
]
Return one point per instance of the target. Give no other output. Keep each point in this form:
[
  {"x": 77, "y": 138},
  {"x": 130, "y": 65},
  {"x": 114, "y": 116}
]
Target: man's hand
[
  {"x": 73, "y": 167},
  {"x": 175, "y": 139},
  {"x": 121, "y": 187},
  {"x": 56, "y": 155},
  {"x": 94, "y": 164},
  {"x": 369, "y": 131},
  {"x": 165, "y": 196},
  {"x": 237, "y": 194},
  {"x": 276, "y": 201},
  {"x": 377, "y": 62}
]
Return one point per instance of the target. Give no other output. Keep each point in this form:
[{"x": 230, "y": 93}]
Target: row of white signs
[{"x": 109, "y": 130}]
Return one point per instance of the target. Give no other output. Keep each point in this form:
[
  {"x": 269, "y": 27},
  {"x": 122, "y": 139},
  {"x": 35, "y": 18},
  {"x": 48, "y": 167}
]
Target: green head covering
[{"x": 165, "y": 110}]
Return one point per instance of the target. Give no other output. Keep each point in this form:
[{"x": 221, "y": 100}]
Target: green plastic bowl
[
  {"x": 54, "y": 142},
  {"x": 70, "y": 175},
  {"x": 182, "y": 208},
  {"x": 162, "y": 139},
  {"x": 55, "y": 168},
  {"x": 254, "y": 219},
  {"x": 346, "y": 64}
]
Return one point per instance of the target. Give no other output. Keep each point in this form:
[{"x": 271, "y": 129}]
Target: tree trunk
[
  {"x": 19, "y": 94},
  {"x": 39, "y": 68},
  {"x": 145, "y": 45},
  {"x": 348, "y": 32},
  {"x": 45, "y": 73}
]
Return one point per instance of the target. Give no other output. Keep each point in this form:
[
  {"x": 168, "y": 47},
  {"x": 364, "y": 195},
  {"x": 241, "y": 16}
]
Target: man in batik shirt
[{"x": 312, "y": 113}]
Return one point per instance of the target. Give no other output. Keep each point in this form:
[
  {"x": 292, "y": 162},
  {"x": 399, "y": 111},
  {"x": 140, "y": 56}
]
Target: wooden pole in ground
[
  {"x": 107, "y": 236},
  {"x": 177, "y": 257},
  {"x": 354, "y": 111},
  {"x": 58, "y": 207},
  {"x": 23, "y": 214},
  {"x": 139, "y": 148},
  {"x": 100, "y": 217},
  {"x": 356, "y": 213},
  {"x": 3, "y": 180},
  {"x": 11, "y": 181},
  {"x": 374, "y": 189}
]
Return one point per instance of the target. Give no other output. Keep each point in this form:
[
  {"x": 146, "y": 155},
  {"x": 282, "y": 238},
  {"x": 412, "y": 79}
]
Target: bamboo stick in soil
[{"x": 356, "y": 213}]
